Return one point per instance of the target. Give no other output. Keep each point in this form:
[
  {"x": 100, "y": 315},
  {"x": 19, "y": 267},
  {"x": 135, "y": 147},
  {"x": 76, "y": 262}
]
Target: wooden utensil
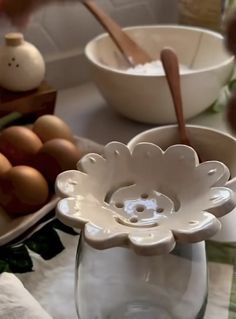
[
  {"x": 131, "y": 51},
  {"x": 170, "y": 63}
]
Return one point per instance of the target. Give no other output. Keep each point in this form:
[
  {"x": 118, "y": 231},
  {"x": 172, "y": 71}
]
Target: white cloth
[
  {"x": 52, "y": 281},
  {"x": 16, "y": 302}
]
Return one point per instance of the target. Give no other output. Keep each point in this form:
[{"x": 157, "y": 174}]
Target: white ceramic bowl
[
  {"x": 210, "y": 144},
  {"x": 146, "y": 98}
]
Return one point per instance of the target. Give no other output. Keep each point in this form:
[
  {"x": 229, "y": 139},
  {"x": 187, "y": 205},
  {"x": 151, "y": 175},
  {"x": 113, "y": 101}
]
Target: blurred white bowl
[
  {"x": 146, "y": 98},
  {"x": 210, "y": 144}
]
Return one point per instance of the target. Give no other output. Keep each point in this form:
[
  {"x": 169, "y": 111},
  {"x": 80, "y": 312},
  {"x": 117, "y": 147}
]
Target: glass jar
[{"x": 117, "y": 283}]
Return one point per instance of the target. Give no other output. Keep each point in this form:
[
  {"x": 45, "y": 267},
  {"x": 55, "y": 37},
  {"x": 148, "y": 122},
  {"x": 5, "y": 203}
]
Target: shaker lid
[
  {"x": 14, "y": 39},
  {"x": 147, "y": 199}
]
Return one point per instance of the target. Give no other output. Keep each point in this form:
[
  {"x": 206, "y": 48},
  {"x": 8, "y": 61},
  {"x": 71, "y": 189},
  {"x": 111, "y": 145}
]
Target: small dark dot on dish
[
  {"x": 140, "y": 209},
  {"x": 119, "y": 205},
  {"x": 9, "y": 64},
  {"x": 17, "y": 66},
  {"x": 193, "y": 222},
  {"x": 133, "y": 219},
  {"x": 13, "y": 59}
]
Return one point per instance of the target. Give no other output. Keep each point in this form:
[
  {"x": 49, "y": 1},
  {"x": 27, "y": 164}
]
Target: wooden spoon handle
[
  {"x": 131, "y": 51},
  {"x": 171, "y": 66},
  {"x": 170, "y": 63}
]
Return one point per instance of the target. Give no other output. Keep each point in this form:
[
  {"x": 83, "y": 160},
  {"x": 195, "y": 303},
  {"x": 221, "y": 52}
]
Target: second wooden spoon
[
  {"x": 132, "y": 52},
  {"x": 170, "y": 64}
]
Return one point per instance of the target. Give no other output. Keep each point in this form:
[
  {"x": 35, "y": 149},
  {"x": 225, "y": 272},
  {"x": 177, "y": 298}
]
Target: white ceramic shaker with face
[{"x": 22, "y": 67}]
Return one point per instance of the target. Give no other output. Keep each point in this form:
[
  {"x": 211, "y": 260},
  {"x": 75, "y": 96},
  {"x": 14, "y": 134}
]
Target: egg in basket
[{"x": 30, "y": 160}]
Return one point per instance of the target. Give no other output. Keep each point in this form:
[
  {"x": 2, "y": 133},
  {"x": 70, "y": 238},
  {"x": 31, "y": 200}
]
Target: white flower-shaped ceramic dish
[{"x": 146, "y": 199}]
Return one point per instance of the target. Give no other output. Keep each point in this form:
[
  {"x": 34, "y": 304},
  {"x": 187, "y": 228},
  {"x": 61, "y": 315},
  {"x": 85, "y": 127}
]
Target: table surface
[{"x": 52, "y": 282}]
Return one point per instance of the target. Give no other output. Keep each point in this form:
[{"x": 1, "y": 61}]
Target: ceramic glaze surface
[
  {"x": 146, "y": 97},
  {"x": 146, "y": 199},
  {"x": 22, "y": 67}
]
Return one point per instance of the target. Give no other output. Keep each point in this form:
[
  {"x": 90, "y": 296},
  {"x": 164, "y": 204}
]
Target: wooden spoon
[
  {"x": 170, "y": 64},
  {"x": 131, "y": 51}
]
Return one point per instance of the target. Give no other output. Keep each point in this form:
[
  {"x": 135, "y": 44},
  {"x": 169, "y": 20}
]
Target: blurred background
[{"x": 61, "y": 32}]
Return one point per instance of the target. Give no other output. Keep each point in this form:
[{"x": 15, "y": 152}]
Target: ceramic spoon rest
[{"x": 146, "y": 199}]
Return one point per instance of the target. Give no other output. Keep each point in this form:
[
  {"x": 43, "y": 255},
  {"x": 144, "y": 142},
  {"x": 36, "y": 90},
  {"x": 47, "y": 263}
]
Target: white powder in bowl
[{"x": 154, "y": 68}]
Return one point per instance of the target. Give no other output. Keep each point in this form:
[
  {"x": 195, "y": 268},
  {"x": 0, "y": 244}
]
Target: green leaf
[
  {"x": 4, "y": 267},
  {"x": 9, "y": 119},
  {"x": 232, "y": 85},
  {"x": 220, "y": 103},
  {"x": 45, "y": 242},
  {"x": 15, "y": 259}
]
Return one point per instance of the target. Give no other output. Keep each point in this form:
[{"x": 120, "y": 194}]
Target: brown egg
[
  {"x": 5, "y": 165},
  {"x": 49, "y": 127},
  {"x": 29, "y": 126},
  {"x": 23, "y": 190},
  {"x": 19, "y": 145},
  {"x": 56, "y": 156}
]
